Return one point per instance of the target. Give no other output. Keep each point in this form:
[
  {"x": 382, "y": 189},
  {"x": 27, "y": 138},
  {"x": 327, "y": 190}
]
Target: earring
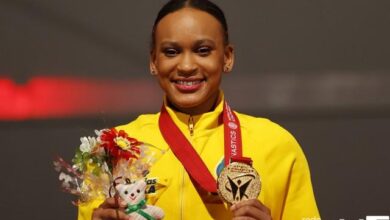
[
  {"x": 153, "y": 72},
  {"x": 226, "y": 69}
]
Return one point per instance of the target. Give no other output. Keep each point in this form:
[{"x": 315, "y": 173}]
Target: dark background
[{"x": 319, "y": 68}]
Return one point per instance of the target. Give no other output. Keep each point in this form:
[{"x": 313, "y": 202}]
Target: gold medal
[{"x": 238, "y": 182}]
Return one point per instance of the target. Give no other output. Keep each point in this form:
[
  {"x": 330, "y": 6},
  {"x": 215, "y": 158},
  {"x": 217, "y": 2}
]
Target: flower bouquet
[{"x": 105, "y": 165}]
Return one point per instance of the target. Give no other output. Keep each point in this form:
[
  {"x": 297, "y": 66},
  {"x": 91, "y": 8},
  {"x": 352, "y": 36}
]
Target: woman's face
[{"x": 188, "y": 59}]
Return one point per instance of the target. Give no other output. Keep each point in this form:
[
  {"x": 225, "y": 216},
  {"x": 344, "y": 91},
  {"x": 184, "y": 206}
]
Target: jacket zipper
[{"x": 191, "y": 125}]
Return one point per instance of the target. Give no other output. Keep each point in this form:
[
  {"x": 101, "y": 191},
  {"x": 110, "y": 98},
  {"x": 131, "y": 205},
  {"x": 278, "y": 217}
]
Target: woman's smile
[{"x": 188, "y": 85}]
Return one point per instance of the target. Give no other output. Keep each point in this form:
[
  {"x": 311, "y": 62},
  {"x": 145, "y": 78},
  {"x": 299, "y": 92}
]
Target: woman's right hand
[{"x": 110, "y": 209}]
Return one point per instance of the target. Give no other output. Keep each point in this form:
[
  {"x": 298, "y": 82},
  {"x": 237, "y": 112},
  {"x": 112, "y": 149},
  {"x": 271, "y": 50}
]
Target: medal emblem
[{"x": 237, "y": 182}]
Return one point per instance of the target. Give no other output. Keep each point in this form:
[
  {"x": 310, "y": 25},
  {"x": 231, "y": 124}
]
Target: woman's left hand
[{"x": 251, "y": 209}]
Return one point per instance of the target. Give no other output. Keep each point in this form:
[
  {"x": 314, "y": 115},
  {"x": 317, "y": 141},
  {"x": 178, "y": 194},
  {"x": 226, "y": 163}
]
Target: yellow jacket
[{"x": 285, "y": 175}]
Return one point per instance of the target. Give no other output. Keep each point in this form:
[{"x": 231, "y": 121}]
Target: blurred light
[{"x": 59, "y": 97}]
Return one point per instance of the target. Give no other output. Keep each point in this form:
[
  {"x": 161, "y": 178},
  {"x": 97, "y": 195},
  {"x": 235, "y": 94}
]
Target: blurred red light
[{"x": 58, "y": 97}]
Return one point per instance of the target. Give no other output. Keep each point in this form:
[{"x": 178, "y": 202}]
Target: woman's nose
[{"x": 187, "y": 64}]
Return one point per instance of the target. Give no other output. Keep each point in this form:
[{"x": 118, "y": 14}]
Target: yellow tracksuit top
[{"x": 286, "y": 184}]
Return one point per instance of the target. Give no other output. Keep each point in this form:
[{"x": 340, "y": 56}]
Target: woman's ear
[
  {"x": 228, "y": 58},
  {"x": 152, "y": 63}
]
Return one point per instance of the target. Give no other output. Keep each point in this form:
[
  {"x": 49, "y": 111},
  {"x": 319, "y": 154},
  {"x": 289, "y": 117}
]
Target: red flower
[{"x": 119, "y": 145}]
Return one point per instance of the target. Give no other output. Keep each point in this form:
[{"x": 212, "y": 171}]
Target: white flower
[
  {"x": 98, "y": 134},
  {"x": 87, "y": 144}
]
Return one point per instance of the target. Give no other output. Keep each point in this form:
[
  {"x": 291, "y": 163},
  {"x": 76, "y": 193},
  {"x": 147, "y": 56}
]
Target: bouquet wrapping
[{"x": 105, "y": 165}]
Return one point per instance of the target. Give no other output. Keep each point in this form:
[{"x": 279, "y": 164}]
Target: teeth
[{"x": 188, "y": 83}]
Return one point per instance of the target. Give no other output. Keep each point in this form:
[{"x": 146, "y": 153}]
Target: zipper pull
[{"x": 191, "y": 125}]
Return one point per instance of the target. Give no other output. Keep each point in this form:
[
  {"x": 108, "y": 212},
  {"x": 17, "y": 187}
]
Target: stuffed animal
[{"x": 134, "y": 195}]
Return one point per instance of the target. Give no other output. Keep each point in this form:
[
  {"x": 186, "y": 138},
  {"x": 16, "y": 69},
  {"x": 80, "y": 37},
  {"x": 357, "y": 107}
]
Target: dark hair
[{"x": 203, "y": 5}]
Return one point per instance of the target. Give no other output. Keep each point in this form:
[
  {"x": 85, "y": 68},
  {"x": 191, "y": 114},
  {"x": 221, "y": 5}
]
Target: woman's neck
[{"x": 208, "y": 106}]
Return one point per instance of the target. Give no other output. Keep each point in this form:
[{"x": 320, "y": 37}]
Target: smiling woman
[
  {"x": 188, "y": 59},
  {"x": 204, "y": 139}
]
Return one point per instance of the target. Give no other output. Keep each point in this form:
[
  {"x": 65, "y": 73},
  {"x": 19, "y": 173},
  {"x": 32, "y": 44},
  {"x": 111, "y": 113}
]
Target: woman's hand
[
  {"x": 251, "y": 209},
  {"x": 110, "y": 209}
]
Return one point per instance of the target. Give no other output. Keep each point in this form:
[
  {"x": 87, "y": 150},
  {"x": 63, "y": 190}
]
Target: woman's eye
[
  {"x": 203, "y": 51},
  {"x": 170, "y": 52}
]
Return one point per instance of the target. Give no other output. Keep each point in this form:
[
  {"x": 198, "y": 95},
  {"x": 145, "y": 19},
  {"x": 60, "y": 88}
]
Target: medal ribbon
[{"x": 187, "y": 155}]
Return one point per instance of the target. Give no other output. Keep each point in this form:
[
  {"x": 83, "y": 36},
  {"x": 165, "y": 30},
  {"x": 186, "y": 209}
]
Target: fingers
[
  {"x": 111, "y": 208},
  {"x": 251, "y": 202},
  {"x": 113, "y": 203},
  {"x": 105, "y": 214},
  {"x": 250, "y": 209}
]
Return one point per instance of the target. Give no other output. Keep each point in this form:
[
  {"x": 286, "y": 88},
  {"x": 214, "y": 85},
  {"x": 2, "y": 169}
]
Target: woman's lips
[{"x": 188, "y": 85}]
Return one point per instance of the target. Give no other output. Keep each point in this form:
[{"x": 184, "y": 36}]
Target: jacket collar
[{"x": 202, "y": 122}]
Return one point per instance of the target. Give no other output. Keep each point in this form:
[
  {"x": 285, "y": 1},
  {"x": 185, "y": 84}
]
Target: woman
[{"x": 190, "y": 52}]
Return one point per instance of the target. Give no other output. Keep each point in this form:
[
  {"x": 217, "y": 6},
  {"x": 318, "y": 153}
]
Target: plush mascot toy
[{"x": 134, "y": 195}]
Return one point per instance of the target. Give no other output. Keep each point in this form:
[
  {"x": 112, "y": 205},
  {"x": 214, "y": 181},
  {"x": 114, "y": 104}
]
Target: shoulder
[
  {"x": 145, "y": 121},
  {"x": 259, "y": 125},
  {"x": 270, "y": 135}
]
